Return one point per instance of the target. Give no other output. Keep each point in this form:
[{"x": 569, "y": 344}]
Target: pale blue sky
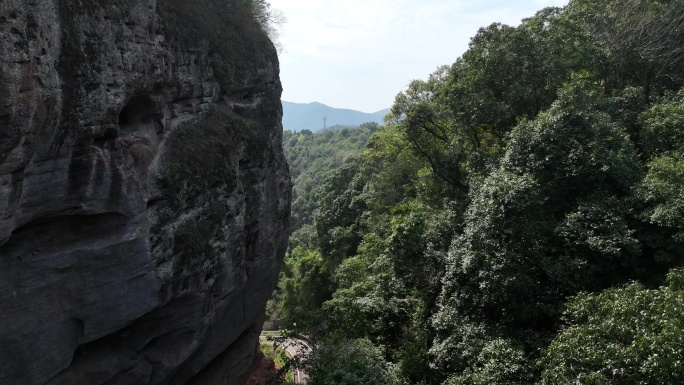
[{"x": 359, "y": 54}]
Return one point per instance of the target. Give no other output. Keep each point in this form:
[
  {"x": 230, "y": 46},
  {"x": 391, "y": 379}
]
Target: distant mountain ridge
[{"x": 309, "y": 116}]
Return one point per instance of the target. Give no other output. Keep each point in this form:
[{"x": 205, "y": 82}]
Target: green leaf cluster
[
  {"x": 625, "y": 335},
  {"x": 352, "y": 362}
]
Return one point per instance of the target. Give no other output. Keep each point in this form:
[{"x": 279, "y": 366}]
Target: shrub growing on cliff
[
  {"x": 231, "y": 31},
  {"x": 268, "y": 18}
]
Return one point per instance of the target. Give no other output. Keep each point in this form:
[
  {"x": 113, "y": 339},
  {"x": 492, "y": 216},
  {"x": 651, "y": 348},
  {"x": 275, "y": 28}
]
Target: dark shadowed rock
[{"x": 144, "y": 196}]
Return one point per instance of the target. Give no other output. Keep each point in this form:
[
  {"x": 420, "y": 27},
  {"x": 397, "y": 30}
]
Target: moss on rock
[
  {"x": 202, "y": 163},
  {"x": 203, "y": 155},
  {"x": 227, "y": 29}
]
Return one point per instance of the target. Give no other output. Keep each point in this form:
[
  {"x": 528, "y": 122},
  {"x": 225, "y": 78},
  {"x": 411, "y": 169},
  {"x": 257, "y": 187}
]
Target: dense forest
[{"x": 519, "y": 218}]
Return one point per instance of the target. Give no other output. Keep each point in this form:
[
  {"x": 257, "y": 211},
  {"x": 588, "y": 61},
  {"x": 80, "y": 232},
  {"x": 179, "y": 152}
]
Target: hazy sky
[{"x": 359, "y": 54}]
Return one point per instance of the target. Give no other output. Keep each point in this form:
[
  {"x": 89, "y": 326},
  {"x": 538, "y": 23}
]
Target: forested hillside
[
  {"x": 518, "y": 220},
  {"x": 312, "y": 156}
]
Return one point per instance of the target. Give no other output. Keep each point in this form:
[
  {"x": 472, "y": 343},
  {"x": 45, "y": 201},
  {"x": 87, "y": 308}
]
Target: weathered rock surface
[{"x": 143, "y": 208}]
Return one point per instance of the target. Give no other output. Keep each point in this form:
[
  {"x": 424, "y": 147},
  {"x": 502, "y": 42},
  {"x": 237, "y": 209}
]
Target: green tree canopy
[
  {"x": 352, "y": 362},
  {"x": 627, "y": 335},
  {"x": 551, "y": 220}
]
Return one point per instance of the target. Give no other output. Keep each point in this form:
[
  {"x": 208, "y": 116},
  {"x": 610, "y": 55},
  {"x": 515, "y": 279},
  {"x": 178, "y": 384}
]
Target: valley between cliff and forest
[{"x": 517, "y": 219}]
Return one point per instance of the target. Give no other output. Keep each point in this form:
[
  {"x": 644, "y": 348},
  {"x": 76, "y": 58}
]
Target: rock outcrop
[{"x": 144, "y": 195}]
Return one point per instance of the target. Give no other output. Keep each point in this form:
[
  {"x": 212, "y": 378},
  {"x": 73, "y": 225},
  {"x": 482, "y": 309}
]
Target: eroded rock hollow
[{"x": 144, "y": 196}]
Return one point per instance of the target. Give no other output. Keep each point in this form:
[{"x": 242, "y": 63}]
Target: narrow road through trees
[{"x": 296, "y": 348}]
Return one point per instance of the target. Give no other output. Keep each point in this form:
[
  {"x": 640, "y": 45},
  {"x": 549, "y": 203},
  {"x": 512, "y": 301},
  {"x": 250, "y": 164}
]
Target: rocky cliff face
[{"x": 144, "y": 196}]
